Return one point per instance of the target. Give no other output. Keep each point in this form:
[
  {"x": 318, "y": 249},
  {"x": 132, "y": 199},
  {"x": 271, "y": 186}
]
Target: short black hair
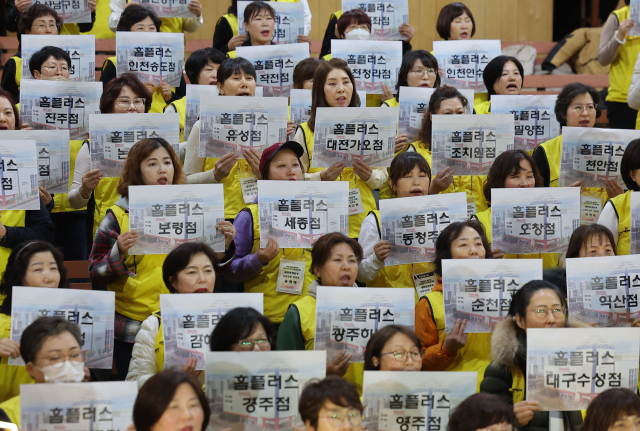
[
  {"x": 135, "y": 13},
  {"x": 404, "y": 163},
  {"x": 331, "y": 388},
  {"x": 199, "y": 59},
  {"x": 378, "y": 340},
  {"x": 630, "y": 162},
  {"x": 522, "y": 298},
  {"x": 39, "y": 57},
  {"x": 179, "y": 259},
  {"x": 570, "y": 92},
  {"x": 408, "y": 60},
  {"x": 481, "y": 411},
  {"x": 232, "y": 66},
  {"x": 448, "y": 14},
  {"x": 237, "y": 324},
  {"x": 493, "y": 71},
  {"x": 304, "y": 71},
  {"x": 41, "y": 328},
  {"x": 255, "y": 8},
  {"x": 453, "y": 231}
]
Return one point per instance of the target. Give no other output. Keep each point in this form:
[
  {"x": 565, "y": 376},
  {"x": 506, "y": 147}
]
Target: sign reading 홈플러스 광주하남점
[{"x": 71, "y": 11}]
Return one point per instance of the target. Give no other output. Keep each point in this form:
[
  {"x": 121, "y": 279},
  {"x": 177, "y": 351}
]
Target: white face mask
[
  {"x": 64, "y": 372},
  {"x": 358, "y": 34}
]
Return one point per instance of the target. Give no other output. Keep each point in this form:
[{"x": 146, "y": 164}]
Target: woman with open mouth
[
  {"x": 259, "y": 21},
  {"x": 503, "y": 76}
]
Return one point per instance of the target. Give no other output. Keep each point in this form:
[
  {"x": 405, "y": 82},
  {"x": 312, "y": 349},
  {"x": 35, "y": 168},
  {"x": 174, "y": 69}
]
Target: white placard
[
  {"x": 19, "y": 175},
  {"x": 71, "y": 11},
  {"x": 463, "y": 61},
  {"x": 386, "y": 16},
  {"x": 168, "y": 8},
  {"x": 81, "y": 50},
  {"x": 289, "y": 21}
]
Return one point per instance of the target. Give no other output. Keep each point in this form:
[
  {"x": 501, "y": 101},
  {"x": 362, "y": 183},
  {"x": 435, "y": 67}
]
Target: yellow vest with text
[
  {"x": 159, "y": 347},
  {"x": 275, "y": 303},
  {"x": 180, "y": 106},
  {"x": 393, "y": 102},
  {"x": 483, "y": 108},
  {"x": 307, "y": 310},
  {"x": 622, "y": 66},
  {"x": 11, "y": 376},
  {"x": 137, "y": 297},
  {"x": 549, "y": 260},
  {"x": 475, "y": 355},
  {"x": 13, "y": 218},
  {"x": 233, "y": 200},
  {"x": 18, "y": 76},
  {"x": 61, "y": 200},
  {"x": 622, "y": 205},
  {"x": 100, "y": 27},
  {"x": 12, "y": 408}
]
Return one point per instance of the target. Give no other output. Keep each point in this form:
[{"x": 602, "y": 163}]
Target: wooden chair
[{"x": 78, "y": 269}]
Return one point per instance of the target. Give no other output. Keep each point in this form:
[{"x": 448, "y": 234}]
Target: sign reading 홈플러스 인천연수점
[
  {"x": 604, "y": 290},
  {"x": 53, "y": 156},
  {"x": 259, "y": 390},
  {"x": 534, "y": 118},
  {"x": 98, "y": 406},
  {"x": 289, "y": 21},
  {"x": 469, "y": 144},
  {"x": 241, "y": 123},
  {"x": 113, "y": 135},
  {"x": 351, "y": 135},
  {"x": 373, "y": 63},
  {"x": 347, "y": 317},
  {"x": 463, "y": 61},
  {"x": 165, "y": 216},
  {"x": 413, "y": 224},
  {"x": 189, "y": 320},
  {"x": 71, "y": 11},
  {"x": 413, "y": 102},
  {"x": 153, "y": 57},
  {"x": 534, "y": 220},
  {"x": 168, "y": 8},
  {"x": 63, "y": 105},
  {"x": 298, "y": 214},
  {"x": 408, "y": 400},
  {"x": 274, "y": 65},
  {"x": 81, "y": 50},
  {"x": 19, "y": 175},
  {"x": 386, "y": 16},
  {"x": 568, "y": 367},
  {"x": 93, "y": 312},
  {"x": 480, "y": 291}
]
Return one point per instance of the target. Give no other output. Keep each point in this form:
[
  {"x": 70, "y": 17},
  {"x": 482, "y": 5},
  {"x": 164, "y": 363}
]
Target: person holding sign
[
  {"x": 136, "y": 18},
  {"x": 169, "y": 25},
  {"x": 592, "y": 240},
  {"x": 393, "y": 348},
  {"x": 303, "y": 73},
  {"x": 50, "y": 64},
  {"x": 32, "y": 264},
  {"x": 504, "y": 76},
  {"x": 457, "y": 351},
  {"x": 260, "y": 22},
  {"x": 455, "y": 22},
  {"x": 483, "y": 412},
  {"x": 538, "y": 304},
  {"x": 327, "y": 404},
  {"x": 150, "y": 161},
  {"x": 613, "y": 409},
  {"x": 334, "y": 262},
  {"x": 419, "y": 69}
]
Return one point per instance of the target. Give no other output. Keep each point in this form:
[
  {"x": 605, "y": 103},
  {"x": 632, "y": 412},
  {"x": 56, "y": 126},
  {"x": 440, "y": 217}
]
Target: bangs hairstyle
[
  {"x": 255, "y": 8},
  {"x": 570, "y": 92},
  {"x": 379, "y": 339},
  {"x": 179, "y": 259},
  {"x": 199, "y": 59},
  {"x": 404, "y": 163},
  {"x": 409, "y": 59},
  {"x": 135, "y": 13},
  {"x": 39, "y": 57},
  {"x": 234, "y": 66},
  {"x": 332, "y": 388},
  {"x": 236, "y": 325},
  {"x": 322, "y": 248},
  {"x": 131, "y": 173},
  {"x": 353, "y": 16},
  {"x": 504, "y": 166},
  {"x": 157, "y": 393},
  {"x": 581, "y": 235},
  {"x": 609, "y": 407},
  {"x": 5, "y": 94},
  {"x": 493, "y": 71},
  {"x": 453, "y": 232},
  {"x": 114, "y": 87},
  {"x": 630, "y": 162},
  {"x": 448, "y": 14},
  {"x": 34, "y": 12},
  {"x": 481, "y": 411},
  {"x": 439, "y": 95},
  {"x": 17, "y": 266},
  {"x": 42, "y": 328},
  {"x": 319, "y": 78},
  {"x": 304, "y": 71}
]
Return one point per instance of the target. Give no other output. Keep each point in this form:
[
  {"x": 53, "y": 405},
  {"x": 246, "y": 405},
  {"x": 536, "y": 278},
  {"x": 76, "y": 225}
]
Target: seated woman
[
  {"x": 538, "y": 304},
  {"x": 326, "y": 404},
  {"x": 50, "y": 64},
  {"x": 503, "y": 76},
  {"x": 242, "y": 329},
  {"x": 614, "y": 409},
  {"x": 393, "y": 348},
  {"x": 260, "y": 22},
  {"x": 591, "y": 240},
  {"x": 169, "y": 25},
  {"x": 483, "y": 412},
  {"x": 303, "y": 73},
  {"x": 419, "y": 69},
  {"x": 457, "y": 351}
]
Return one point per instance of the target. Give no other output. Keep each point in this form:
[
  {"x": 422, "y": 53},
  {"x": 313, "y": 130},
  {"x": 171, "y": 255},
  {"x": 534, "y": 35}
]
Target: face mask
[
  {"x": 65, "y": 372},
  {"x": 358, "y": 34}
]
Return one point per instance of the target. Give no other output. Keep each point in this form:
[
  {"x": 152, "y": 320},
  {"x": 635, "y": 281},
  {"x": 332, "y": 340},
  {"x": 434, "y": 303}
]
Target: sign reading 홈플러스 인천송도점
[
  {"x": 19, "y": 175},
  {"x": 189, "y": 320},
  {"x": 71, "y": 11},
  {"x": 347, "y": 317},
  {"x": 168, "y": 8},
  {"x": 480, "y": 291},
  {"x": 463, "y": 61},
  {"x": 81, "y": 50},
  {"x": 289, "y": 21},
  {"x": 386, "y": 16},
  {"x": 259, "y": 390},
  {"x": 534, "y": 220}
]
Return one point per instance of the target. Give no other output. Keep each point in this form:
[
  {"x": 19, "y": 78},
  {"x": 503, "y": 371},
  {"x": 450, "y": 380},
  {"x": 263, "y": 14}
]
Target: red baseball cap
[{"x": 268, "y": 153}]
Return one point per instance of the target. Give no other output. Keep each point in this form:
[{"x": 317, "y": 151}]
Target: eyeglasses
[
  {"x": 262, "y": 343},
  {"x": 60, "y": 359},
  {"x": 543, "y": 312},
  {"x": 420, "y": 72},
  {"x": 125, "y": 102},
  {"x": 43, "y": 27},
  {"x": 51, "y": 68},
  {"x": 589, "y": 107},
  {"x": 415, "y": 356},
  {"x": 336, "y": 420}
]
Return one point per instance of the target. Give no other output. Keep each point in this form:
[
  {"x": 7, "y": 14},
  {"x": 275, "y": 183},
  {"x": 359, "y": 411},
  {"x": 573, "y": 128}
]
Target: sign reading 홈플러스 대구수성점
[
  {"x": 289, "y": 21},
  {"x": 81, "y": 50},
  {"x": 463, "y": 61}
]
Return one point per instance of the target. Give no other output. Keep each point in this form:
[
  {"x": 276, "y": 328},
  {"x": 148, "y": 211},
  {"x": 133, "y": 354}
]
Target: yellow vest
[
  {"x": 549, "y": 260},
  {"x": 12, "y": 409},
  {"x": 478, "y": 98},
  {"x": 393, "y": 102},
  {"x": 180, "y": 106},
  {"x": 233, "y": 200},
  {"x": 159, "y": 344},
  {"x": 137, "y": 297},
  {"x": 326, "y": 57},
  {"x": 307, "y": 310},
  {"x": 61, "y": 200},
  {"x": 622, "y": 205},
  {"x": 517, "y": 385},
  {"x": 231, "y": 54},
  {"x": 275, "y": 303},
  {"x": 232, "y": 19},
  {"x": 622, "y": 66},
  {"x": 101, "y": 26},
  {"x": 104, "y": 195},
  {"x": 475, "y": 355},
  {"x": 373, "y": 100},
  {"x": 483, "y": 108},
  {"x": 14, "y": 218},
  {"x": 11, "y": 376},
  {"x": 18, "y": 77}
]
